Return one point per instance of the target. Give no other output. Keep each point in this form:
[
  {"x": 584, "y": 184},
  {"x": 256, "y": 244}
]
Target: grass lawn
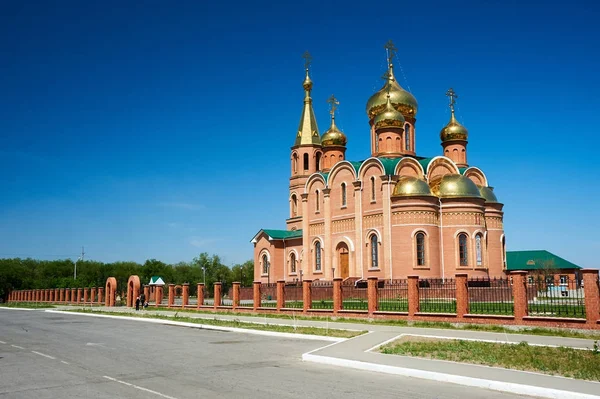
[
  {"x": 567, "y": 362},
  {"x": 27, "y": 305}
]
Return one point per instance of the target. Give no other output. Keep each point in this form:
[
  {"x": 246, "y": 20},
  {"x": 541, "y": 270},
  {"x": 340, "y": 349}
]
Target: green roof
[
  {"x": 279, "y": 234},
  {"x": 536, "y": 260},
  {"x": 389, "y": 164},
  {"x": 325, "y": 177},
  {"x": 462, "y": 170},
  {"x": 424, "y": 163},
  {"x": 356, "y": 165}
]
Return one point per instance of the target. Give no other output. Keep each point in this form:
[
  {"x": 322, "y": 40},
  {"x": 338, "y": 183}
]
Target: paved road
[{"x": 44, "y": 355}]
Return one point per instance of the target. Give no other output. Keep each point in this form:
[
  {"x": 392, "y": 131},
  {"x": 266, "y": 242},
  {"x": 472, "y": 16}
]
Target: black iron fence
[
  {"x": 322, "y": 294},
  {"x": 490, "y": 296},
  {"x": 268, "y": 295},
  {"x": 393, "y": 296},
  {"x": 293, "y": 296},
  {"x": 555, "y": 298},
  {"x": 354, "y": 296},
  {"x": 437, "y": 296}
]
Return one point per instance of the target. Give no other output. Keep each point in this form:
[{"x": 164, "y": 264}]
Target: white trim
[
  {"x": 411, "y": 161},
  {"x": 417, "y": 224},
  {"x": 440, "y": 157},
  {"x": 313, "y": 178},
  {"x": 475, "y": 168},
  {"x": 339, "y": 166},
  {"x": 377, "y": 232},
  {"x": 367, "y": 163}
]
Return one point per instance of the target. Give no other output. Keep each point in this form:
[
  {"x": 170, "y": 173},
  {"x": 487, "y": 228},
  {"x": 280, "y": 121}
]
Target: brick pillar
[
  {"x": 462, "y": 295},
  {"x": 56, "y": 294},
  {"x": 73, "y": 295},
  {"x": 61, "y": 296},
  {"x": 171, "y": 295},
  {"x": 100, "y": 294},
  {"x": 519, "y": 289},
  {"x": 185, "y": 295},
  {"x": 158, "y": 294},
  {"x": 256, "y": 294},
  {"x": 413, "y": 295},
  {"x": 372, "y": 294},
  {"x": 200, "y": 295},
  {"x": 79, "y": 292},
  {"x": 51, "y": 295},
  {"x": 236, "y": 295},
  {"x": 86, "y": 295},
  {"x": 592, "y": 295},
  {"x": 280, "y": 294},
  {"x": 146, "y": 294},
  {"x": 67, "y": 295},
  {"x": 93, "y": 295},
  {"x": 306, "y": 295},
  {"x": 337, "y": 295},
  {"x": 217, "y": 288}
]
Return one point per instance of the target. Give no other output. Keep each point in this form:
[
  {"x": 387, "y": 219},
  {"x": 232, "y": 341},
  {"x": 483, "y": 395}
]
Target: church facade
[{"x": 392, "y": 215}]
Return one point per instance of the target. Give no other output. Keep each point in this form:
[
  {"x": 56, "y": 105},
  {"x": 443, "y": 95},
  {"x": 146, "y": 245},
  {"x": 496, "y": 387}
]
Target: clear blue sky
[{"x": 155, "y": 129}]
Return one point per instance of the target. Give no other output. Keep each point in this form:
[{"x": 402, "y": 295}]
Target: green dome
[
  {"x": 401, "y": 100},
  {"x": 410, "y": 186},
  {"x": 488, "y": 194},
  {"x": 455, "y": 186},
  {"x": 389, "y": 118}
]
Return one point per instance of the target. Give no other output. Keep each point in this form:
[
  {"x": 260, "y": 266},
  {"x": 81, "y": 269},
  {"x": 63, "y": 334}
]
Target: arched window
[
  {"x": 318, "y": 161},
  {"x": 372, "y": 188},
  {"x": 305, "y": 161},
  {"x": 318, "y": 256},
  {"x": 294, "y": 206},
  {"x": 343, "y": 194},
  {"x": 462, "y": 250},
  {"x": 478, "y": 254},
  {"x": 374, "y": 252},
  {"x": 293, "y": 263},
  {"x": 317, "y": 201},
  {"x": 407, "y": 136},
  {"x": 295, "y": 163},
  {"x": 420, "y": 249},
  {"x": 265, "y": 264}
]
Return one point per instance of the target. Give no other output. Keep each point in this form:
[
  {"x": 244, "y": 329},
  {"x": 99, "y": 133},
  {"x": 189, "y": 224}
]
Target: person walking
[
  {"x": 142, "y": 300},
  {"x": 137, "y": 303}
]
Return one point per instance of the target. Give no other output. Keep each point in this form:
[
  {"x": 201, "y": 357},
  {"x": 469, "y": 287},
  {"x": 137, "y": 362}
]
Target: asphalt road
[{"x": 45, "y": 355}]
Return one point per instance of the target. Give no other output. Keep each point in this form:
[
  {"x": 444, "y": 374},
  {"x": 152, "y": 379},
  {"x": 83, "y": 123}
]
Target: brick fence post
[
  {"x": 413, "y": 295},
  {"x": 200, "y": 295},
  {"x": 185, "y": 295},
  {"x": 592, "y": 295},
  {"x": 86, "y": 295},
  {"x": 67, "y": 295},
  {"x": 519, "y": 283},
  {"x": 171, "y": 295},
  {"x": 56, "y": 294},
  {"x": 256, "y": 294},
  {"x": 79, "y": 292},
  {"x": 158, "y": 295},
  {"x": 337, "y": 294},
  {"x": 306, "y": 295},
  {"x": 100, "y": 294},
  {"x": 462, "y": 295},
  {"x": 73, "y": 295},
  {"x": 236, "y": 295},
  {"x": 373, "y": 300},
  {"x": 217, "y": 289},
  {"x": 61, "y": 297},
  {"x": 280, "y": 294},
  {"x": 93, "y": 295},
  {"x": 51, "y": 295}
]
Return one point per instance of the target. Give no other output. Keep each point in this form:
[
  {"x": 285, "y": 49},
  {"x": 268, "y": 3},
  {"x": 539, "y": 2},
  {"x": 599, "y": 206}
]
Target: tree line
[{"x": 25, "y": 274}]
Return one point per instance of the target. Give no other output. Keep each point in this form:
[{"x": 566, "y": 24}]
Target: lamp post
[
  {"x": 75, "y": 269},
  {"x": 204, "y": 270}
]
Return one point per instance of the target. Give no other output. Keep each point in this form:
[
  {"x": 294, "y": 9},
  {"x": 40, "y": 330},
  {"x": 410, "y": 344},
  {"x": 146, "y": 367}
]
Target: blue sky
[{"x": 162, "y": 129}]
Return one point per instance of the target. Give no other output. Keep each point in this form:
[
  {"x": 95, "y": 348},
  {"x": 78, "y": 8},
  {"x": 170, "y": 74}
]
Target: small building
[
  {"x": 156, "y": 281},
  {"x": 543, "y": 265}
]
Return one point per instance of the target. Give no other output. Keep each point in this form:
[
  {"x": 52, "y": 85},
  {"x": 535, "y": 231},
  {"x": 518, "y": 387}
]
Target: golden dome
[
  {"x": 333, "y": 136},
  {"x": 401, "y": 100},
  {"x": 455, "y": 186},
  {"x": 488, "y": 194},
  {"x": 454, "y": 131},
  {"x": 307, "y": 84},
  {"x": 410, "y": 186},
  {"x": 389, "y": 117}
]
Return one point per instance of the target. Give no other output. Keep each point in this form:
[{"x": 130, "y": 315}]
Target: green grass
[
  {"x": 27, "y": 305},
  {"x": 567, "y": 362},
  {"x": 327, "y": 332}
]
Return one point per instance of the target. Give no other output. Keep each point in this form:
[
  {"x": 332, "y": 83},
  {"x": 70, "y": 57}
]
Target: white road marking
[
  {"x": 2, "y": 342},
  {"x": 138, "y": 387},
  {"x": 43, "y": 354},
  {"x": 17, "y": 346},
  {"x": 62, "y": 361}
]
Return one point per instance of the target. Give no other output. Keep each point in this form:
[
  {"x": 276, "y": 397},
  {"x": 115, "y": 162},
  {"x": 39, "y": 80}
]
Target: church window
[
  {"x": 318, "y": 161},
  {"x": 294, "y": 206},
  {"x": 265, "y": 264},
  {"x": 318, "y": 256},
  {"x": 407, "y": 136},
  {"x": 305, "y": 161},
  {"x": 478, "y": 251},
  {"x": 293, "y": 263},
  {"x": 374, "y": 252},
  {"x": 420, "y": 249},
  {"x": 295, "y": 163},
  {"x": 317, "y": 201},
  {"x": 343, "y": 194},
  {"x": 373, "y": 188},
  {"x": 462, "y": 250}
]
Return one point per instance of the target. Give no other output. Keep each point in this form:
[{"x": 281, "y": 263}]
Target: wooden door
[{"x": 344, "y": 268}]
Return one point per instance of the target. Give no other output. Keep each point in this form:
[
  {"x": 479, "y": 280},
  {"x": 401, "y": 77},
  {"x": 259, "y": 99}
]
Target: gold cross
[
  {"x": 453, "y": 96},
  {"x": 391, "y": 50},
  {"x": 333, "y": 103},
  {"x": 307, "y": 59}
]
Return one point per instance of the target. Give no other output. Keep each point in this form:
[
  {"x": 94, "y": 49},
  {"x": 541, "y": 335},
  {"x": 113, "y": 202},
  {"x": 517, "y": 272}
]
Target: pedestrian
[
  {"x": 142, "y": 299},
  {"x": 137, "y": 303}
]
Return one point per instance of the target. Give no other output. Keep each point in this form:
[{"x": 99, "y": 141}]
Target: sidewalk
[{"x": 360, "y": 353}]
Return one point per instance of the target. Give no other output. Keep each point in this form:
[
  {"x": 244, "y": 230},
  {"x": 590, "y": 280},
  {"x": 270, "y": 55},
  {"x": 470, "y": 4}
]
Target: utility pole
[{"x": 80, "y": 258}]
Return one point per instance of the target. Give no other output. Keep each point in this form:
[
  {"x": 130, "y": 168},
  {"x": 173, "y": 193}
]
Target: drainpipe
[
  {"x": 389, "y": 226},
  {"x": 442, "y": 241}
]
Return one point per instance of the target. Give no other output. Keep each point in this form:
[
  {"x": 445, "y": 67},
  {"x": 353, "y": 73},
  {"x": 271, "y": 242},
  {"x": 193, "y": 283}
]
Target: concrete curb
[
  {"x": 519, "y": 389},
  {"x": 208, "y": 326},
  {"x": 5, "y": 307}
]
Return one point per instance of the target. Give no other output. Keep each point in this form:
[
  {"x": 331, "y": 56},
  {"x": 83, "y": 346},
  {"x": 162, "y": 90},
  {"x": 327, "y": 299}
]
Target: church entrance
[{"x": 343, "y": 260}]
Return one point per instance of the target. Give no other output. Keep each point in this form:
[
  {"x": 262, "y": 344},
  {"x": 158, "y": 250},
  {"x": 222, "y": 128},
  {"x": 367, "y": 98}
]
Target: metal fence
[
  {"x": 322, "y": 294},
  {"x": 393, "y": 296},
  {"x": 490, "y": 296},
  {"x": 293, "y": 296},
  {"x": 247, "y": 297},
  {"x": 437, "y": 296},
  {"x": 268, "y": 295},
  {"x": 555, "y": 298},
  {"x": 354, "y": 296}
]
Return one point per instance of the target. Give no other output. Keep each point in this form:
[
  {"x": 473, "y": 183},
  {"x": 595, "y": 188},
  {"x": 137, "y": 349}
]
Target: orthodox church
[{"x": 392, "y": 215}]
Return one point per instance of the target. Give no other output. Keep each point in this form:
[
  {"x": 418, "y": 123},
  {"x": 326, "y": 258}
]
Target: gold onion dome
[
  {"x": 488, "y": 194},
  {"x": 389, "y": 117},
  {"x": 411, "y": 186},
  {"x": 455, "y": 186},
  {"x": 401, "y": 99},
  {"x": 333, "y": 136},
  {"x": 307, "y": 84},
  {"x": 454, "y": 131}
]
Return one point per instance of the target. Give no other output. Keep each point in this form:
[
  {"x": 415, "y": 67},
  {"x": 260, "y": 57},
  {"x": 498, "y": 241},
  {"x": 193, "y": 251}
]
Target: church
[{"x": 392, "y": 215}]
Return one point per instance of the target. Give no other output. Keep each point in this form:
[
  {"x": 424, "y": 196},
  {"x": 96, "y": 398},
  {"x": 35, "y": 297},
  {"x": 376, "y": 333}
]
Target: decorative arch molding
[
  {"x": 377, "y": 233},
  {"x": 338, "y": 167},
  {"x": 409, "y": 167},
  {"x": 312, "y": 179},
  {"x": 476, "y": 175},
  {"x": 478, "y": 231},
  {"x": 110, "y": 291},
  {"x": 346, "y": 240},
  {"x": 315, "y": 239},
  {"x": 133, "y": 290},
  {"x": 457, "y": 232},
  {"x": 368, "y": 163},
  {"x": 418, "y": 230},
  {"x": 438, "y": 165}
]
